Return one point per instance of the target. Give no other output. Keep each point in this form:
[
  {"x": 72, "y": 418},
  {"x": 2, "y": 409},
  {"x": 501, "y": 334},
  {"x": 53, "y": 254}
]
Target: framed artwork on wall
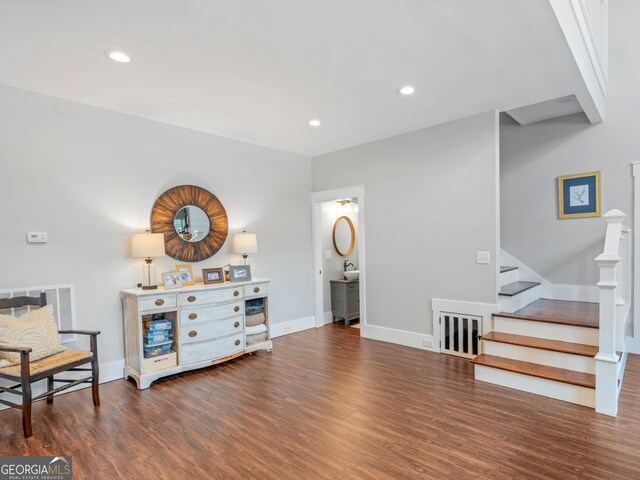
[
  {"x": 212, "y": 275},
  {"x": 186, "y": 273},
  {"x": 579, "y": 195}
]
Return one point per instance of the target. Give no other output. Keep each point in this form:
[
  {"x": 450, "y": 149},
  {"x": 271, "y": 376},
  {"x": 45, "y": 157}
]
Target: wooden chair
[{"x": 28, "y": 372}]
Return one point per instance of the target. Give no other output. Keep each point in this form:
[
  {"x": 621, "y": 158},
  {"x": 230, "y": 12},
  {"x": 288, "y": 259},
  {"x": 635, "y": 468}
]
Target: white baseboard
[
  {"x": 328, "y": 318},
  {"x": 292, "y": 326},
  {"x": 400, "y": 337},
  {"x": 574, "y": 293}
]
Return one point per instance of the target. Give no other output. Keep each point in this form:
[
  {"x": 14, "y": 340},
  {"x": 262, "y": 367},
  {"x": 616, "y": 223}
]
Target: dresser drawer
[
  {"x": 154, "y": 364},
  {"x": 209, "y": 330},
  {"x": 213, "y": 296},
  {"x": 202, "y": 351},
  {"x": 259, "y": 289},
  {"x": 158, "y": 302},
  {"x": 190, "y": 316}
]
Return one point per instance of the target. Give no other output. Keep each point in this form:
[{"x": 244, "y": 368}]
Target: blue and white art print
[{"x": 579, "y": 195}]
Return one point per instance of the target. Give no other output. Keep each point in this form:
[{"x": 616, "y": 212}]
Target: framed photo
[
  {"x": 240, "y": 273},
  {"x": 186, "y": 274},
  {"x": 579, "y": 195},
  {"x": 171, "y": 280},
  {"x": 212, "y": 275}
]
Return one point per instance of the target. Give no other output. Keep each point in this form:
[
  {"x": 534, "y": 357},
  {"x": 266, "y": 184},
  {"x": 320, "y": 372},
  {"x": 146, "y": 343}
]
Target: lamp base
[{"x": 150, "y": 287}]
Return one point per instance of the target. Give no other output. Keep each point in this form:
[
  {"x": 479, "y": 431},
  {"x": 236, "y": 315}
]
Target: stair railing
[{"x": 610, "y": 296}]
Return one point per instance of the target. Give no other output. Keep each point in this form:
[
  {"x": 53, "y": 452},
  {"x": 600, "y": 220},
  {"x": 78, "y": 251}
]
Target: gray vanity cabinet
[{"x": 345, "y": 299}]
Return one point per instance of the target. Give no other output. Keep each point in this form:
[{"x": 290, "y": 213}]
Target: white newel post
[{"x": 607, "y": 359}]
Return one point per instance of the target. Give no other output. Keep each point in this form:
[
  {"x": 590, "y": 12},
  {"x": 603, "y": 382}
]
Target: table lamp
[
  {"x": 245, "y": 243},
  {"x": 148, "y": 245}
]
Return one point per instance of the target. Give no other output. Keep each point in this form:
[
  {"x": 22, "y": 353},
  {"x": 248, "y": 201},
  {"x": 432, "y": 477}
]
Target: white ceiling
[{"x": 258, "y": 70}]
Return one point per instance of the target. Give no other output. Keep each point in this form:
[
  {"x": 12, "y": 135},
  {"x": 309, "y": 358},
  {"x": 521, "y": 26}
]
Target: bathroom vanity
[{"x": 345, "y": 299}]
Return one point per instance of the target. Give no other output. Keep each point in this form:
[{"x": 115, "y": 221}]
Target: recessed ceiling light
[
  {"x": 118, "y": 56},
  {"x": 315, "y": 123},
  {"x": 407, "y": 90}
]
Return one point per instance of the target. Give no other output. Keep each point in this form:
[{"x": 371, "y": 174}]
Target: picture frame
[
  {"x": 240, "y": 273},
  {"x": 212, "y": 275},
  {"x": 171, "y": 280},
  {"x": 186, "y": 273},
  {"x": 579, "y": 195}
]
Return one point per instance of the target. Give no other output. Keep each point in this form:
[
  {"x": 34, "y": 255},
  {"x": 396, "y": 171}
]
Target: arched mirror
[
  {"x": 344, "y": 236},
  {"x": 193, "y": 221}
]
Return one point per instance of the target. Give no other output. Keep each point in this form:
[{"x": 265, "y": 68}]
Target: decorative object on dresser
[
  {"x": 202, "y": 326},
  {"x": 245, "y": 243},
  {"x": 345, "y": 299},
  {"x": 148, "y": 245},
  {"x": 212, "y": 275},
  {"x": 171, "y": 280},
  {"x": 186, "y": 273},
  {"x": 240, "y": 273},
  {"x": 30, "y": 351},
  {"x": 344, "y": 236},
  {"x": 193, "y": 221}
]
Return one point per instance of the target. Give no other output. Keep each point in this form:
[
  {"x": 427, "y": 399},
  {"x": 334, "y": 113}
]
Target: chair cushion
[
  {"x": 36, "y": 329},
  {"x": 49, "y": 363}
]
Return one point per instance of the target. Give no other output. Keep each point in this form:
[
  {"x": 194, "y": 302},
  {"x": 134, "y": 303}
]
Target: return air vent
[{"x": 459, "y": 334}]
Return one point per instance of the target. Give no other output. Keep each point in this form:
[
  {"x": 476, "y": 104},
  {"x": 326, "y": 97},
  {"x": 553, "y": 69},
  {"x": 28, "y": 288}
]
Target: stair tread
[
  {"x": 542, "y": 344},
  {"x": 505, "y": 269},
  {"x": 512, "y": 289},
  {"x": 541, "y": 371},
  {"x": 576, "y": 314}
]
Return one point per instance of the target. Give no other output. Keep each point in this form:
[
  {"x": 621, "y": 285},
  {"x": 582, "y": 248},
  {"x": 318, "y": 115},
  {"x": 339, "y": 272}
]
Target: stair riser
[
  {"x": 542, "y": 357},
  {"x": 516, "y": 302},
  {"x": 550, "y": 331},
  {"x": 539, "y": 386},
  {"x": 508, "y": 277}
]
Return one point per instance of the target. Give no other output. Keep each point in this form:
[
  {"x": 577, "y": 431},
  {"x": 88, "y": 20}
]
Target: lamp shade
[
  {"x": 245, "y": 243},
  {"x": 147, "y": 245}
]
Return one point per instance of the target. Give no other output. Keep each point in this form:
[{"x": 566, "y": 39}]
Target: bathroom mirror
[
  {"x": 344, "y": 236},
  {"x": 193, "y": 221}
]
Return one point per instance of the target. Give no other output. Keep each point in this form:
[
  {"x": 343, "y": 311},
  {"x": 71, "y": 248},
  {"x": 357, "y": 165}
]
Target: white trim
[
  {"x": 328, "y": 318},
  {"x": 477, "y": 309},
  {"x": 635, "y": 345},
  {"x": 292, "y": 326},
  {"x": 400, "y": 337},
  {"x": 318, "y": 279}
]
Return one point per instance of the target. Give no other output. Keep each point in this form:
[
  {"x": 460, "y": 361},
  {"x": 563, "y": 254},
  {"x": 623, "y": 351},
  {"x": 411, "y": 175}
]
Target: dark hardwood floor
[{"x": 329, "y": 405}]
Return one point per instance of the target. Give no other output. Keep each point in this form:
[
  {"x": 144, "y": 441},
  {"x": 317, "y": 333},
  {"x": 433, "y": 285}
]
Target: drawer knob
[
  {"x": 237, "y": 324},
  {"x": 159, "y": 302},
  {"x": 191, "y": 298},
  {"x": 256, "y": 290},
  {"x": 236, "y": 293},
  {"x": 236, "y": 308},
  {"x": 237, "y": 342},
  {"x": 193, "y": 333},
  {"x": 193, "y": 316}
]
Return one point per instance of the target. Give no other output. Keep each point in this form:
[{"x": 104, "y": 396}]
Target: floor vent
[
  {"x": 61, "y": 297},
  {"x": 459, "y": 334}
]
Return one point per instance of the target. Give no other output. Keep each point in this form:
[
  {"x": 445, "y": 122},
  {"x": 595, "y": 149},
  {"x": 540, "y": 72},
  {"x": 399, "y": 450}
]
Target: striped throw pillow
[{"x": 36, "y": 329}]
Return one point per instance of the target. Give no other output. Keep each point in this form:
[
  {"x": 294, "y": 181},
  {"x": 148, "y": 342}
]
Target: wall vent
[
  {"x": 61, "y": 297},
  {"x": 459, "y": 334}
]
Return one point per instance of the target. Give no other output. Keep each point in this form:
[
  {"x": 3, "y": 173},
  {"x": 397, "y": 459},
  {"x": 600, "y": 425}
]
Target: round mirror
[
  {"x": 191, "y": 223},
  {"x": 344, "y": 236}
]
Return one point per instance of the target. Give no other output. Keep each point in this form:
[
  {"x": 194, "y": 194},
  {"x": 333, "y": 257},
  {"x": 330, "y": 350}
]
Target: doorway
[{"x": 330, "y": 255}]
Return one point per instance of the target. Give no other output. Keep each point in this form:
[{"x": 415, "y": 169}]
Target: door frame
[{"x": 317, "y": 198}]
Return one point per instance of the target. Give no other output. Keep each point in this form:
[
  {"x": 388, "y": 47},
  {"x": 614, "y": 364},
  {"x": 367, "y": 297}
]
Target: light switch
[
  {"x": 483, "y": 257},
  {"x": 37, "y": 237},
  {"x": 328, "y": 255}
]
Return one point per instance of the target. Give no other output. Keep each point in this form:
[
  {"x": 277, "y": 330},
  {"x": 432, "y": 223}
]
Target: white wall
[
  {"x": 333, "y": 267},
  {"x": 532, "y": 157},
  {"x": 89, "y": 177},
  {"x": 432, "y": 202}
]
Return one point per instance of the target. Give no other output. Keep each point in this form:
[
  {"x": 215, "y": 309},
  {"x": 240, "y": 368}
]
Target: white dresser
[{"x": 208, "y": 326}]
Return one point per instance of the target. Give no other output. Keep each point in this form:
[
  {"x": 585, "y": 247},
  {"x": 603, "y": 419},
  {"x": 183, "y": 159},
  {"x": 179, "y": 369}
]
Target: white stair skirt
[
  {"x": 521, "y": 300},
  {"x": 540, "y": 386},
  {"x": 508, "y": 277},
  {"x": 550, "y": 358},
  {"x": 550, "y": 331}
]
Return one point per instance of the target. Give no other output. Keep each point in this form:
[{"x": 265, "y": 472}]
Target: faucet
[{"x": 347, "y": 263}]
